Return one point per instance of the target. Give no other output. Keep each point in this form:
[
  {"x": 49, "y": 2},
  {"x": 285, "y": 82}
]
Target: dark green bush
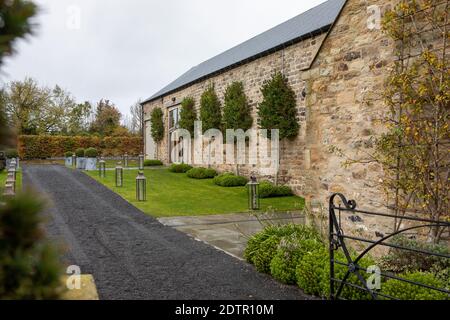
[
  {"x": 80, "y": 152},
  {"x": 188, "y": 115},
  {"x": 157, "y": 121},
  {"x": 398, "y": 260},
  {"x": 201, "y": 173},
  {"x": 230, "y": 180},
  {"x": 278, "y": 110},
  {"x": 152, "y": 163},
  {"x": 210, "y": 111},
  {"x": 68, "y": 154},
  {"x": 180, "y": 168},
  {"x": 407, "y": 291},
  {"x": 91, "y": 153},
  {"x": 269, "y": 190},
  {"x": 291, "y": 250},
  {"x": 313, "y": 274},
  {"x": 11, "y": 153}
]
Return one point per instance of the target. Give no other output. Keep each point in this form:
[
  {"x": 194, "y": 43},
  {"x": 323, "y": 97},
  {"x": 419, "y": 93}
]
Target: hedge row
[{"x": 43, "y": 147}]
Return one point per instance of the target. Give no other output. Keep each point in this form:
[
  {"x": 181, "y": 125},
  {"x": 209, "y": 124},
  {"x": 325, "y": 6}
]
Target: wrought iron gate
[{"x": 338, "y": 240}]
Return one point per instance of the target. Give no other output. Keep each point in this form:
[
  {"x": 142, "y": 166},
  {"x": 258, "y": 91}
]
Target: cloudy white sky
[{"x": 124, "y": 50}]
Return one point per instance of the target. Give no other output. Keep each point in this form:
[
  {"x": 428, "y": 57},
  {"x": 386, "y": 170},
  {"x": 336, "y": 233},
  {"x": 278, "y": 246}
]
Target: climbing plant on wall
[
  {"x": 236, "y": 110},
  {"x": 188, "y": 115},
  {"x": 278, "y": 109},
  {"x": 414, "y": 150},
  {"x": 210, "y": 113}
]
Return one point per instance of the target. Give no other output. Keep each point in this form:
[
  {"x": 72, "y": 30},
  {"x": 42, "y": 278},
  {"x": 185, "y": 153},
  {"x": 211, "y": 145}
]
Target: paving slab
[{"x": 229, "y": 232}]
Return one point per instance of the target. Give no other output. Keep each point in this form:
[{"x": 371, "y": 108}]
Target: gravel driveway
[{"x": 132, "y": 255}]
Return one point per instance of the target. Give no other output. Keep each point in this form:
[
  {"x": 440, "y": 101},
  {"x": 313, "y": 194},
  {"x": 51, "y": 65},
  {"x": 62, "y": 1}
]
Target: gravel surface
[{"x": 132, "y": 255}]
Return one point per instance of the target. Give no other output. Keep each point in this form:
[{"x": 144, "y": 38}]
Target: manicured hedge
[
  {"x": 43, "y": 147},
  {"x": 230, "y": 180},
  {"x": 180, "y": 168},
  {"x": 152, "y": 163},
  {"x": 269, "y": 190},
  {"x": 201, "y": 173}
]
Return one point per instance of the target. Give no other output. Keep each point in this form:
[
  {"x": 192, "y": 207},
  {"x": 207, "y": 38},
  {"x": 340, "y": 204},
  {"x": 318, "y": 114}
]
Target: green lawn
[{"x": 171, "y": 194}]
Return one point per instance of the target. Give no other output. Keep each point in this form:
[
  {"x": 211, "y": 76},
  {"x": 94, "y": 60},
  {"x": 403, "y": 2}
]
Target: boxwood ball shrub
[
  {"x": 230, "y": 180},
  {"x": 269, "y": 190},
  {"x": 91, "y": 153},
  {"x": 180, "y": 168},
  {"x": 80, "y": 152},
  {"x": 68, "y": 154},
  {"x": 262, "y": 247},
  {"x": 201, "y": 173},
  {"x": 313, "y": 274},
  {"x": 152, "y": 163},
  {"x": 407, "y": 291},
  {"x": 291, "y": 250}
]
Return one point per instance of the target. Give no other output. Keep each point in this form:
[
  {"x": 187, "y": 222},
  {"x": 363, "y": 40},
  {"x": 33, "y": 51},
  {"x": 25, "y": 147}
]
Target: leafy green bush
[
  {"x": 180, "y": 168},
  {"x": 309, "y": 271},
  {"x": 80, "y": 152},
  {"x": 269, "y": 190},
  {"x": 266, "y": 251},
  {"x": 291, "y": 250},
  {"x": 230, "y": 180},
  {"x": 29, "y": 266},
  {"x": 407, "y": 291},
  {"x": 201, "y": 173},
  {"x": 262, "y": 247},
  {"x": 11, "y": 153},
  {"x": 313, "y": 274},
  {"x": 398, "y": 260},
  {"x": 68, "y": 154},
  {"x": 152, "y": 163},
  {"x": 91, "y": 153}
]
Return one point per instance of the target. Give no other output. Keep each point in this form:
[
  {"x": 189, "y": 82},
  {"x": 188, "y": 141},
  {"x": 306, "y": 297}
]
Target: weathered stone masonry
[{"x": 342, "y": 72}]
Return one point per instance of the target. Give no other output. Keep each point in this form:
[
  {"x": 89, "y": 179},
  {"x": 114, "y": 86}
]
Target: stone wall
[{"x": 343, "y": 81}]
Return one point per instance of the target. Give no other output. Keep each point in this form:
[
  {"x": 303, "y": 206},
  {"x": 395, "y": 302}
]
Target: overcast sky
[{"x": 124, "y": 50}]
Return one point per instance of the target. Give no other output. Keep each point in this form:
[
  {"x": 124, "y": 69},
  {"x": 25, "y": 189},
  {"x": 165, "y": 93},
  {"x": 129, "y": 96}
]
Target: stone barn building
[{"x": 335, "y": 57}]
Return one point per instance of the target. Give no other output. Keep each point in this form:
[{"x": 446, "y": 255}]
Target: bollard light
[
  {"x": 253, "y": 194},
  {"x": 119, "y": 176},
  {"x": 125, "y": 160},
  {"x": 13, "y": 172},
  {"x": 141, "y": 187},
  {"x": 141, "y": 162},
  {"x": 102, "y": 168},
  {"x": 11, "y": 182},
  {"x": 74, "y": 160}
]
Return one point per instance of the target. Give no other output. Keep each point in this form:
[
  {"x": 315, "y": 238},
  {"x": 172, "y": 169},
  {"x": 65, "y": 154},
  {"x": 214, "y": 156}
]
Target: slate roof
[{"x": 312, "y": 22}]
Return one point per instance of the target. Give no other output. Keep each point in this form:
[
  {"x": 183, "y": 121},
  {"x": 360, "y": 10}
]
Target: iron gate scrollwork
[{"x": 339, "y": 240}]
